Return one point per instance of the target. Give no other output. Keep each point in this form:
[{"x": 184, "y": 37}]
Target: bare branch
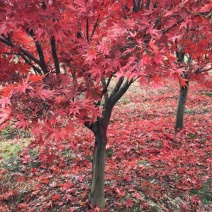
[
  {"x": 199, "y": 70},
  {"x": 36, "y": 69},
  {"x": 87, "y": 30},
  {"x": 42, "y": 62},
  {"x": 54, "y": 55},
  {"x": 157, "y": 21},
  {"x": 120, "y": 92},
  {"x": 168, "y": 29},
  {"x": 95, "y": 25},
  {"x": 147, "y": 4},
  {"x": 104, "y": 91},
  {"x": 117, "y": 87},
  {"x": 136, "y": 6},
  {"x": 21, "y": 49},
  {"x": 7, "y": 42}
]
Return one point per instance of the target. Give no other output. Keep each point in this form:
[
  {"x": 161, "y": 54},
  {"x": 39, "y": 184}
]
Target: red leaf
[
  {"x": 45, "y": 181},
  {"x": 56, "y": 197},
  {"x": 5, "y": 101},
  {"x": 38, "y": 186},
  {"x": 156, "y": 34},
  {"x": 36, "y": 78},
  {"x": 5, "y": 114},
  {"x": 153, "y": 46},
  {"x": 90, "y": 55},
  {"x": 137, "y": 196},
  {"x": 129, "y": 203},
  {"x": 183, "y": 81},
  {"x": 22, "y": 206},
  {"x": 65, "y": 186}
]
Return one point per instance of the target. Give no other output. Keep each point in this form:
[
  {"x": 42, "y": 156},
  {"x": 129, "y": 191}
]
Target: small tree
[
  {"x": 191, "y": 72},
  {"x": 65, "y": 60},
  {"x": 184, "y": 87}
]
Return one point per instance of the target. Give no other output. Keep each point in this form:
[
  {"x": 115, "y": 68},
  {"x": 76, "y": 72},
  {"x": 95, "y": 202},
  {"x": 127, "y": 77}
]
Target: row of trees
[{"x": 64, "y": 61}]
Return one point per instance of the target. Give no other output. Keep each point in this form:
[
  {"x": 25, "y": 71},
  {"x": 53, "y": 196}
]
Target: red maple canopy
[
  {"x": 79, "y": 46},
  {"x": 66, "y": 60}
]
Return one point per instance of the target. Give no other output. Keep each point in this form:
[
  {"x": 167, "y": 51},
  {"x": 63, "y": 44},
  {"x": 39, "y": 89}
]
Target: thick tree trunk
[
  {"x": 98, "y": 170},
  {"x": 181, "y": 108}
]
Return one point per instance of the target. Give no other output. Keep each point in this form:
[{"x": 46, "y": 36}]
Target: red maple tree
[{"x": 65, "y": 61}]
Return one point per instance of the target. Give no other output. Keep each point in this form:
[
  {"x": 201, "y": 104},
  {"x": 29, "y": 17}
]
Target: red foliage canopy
[{"x": 57, "y": 58}]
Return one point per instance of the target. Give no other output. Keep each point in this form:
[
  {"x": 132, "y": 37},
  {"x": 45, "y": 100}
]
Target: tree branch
[
  {"x": 166, "y": 30},
  {"x": 21, "y": 49},
  {"x": 36, "y": 69},
  {"x": 87, "y": 30},
  {"x": 114, "y": 97},
  {"x": 121, "y": 91},
  {"x": 147, "y": 4},
  {"x": 118, "y": 85},
  {"x": 105, "y": 89},
  {"x": 105, "y": 86},
  {"x": 89, "y": 125},
  {"x": 7, "y": 42},
  {"x": 136, "y": 6},
  {"x": 199, "y": 70},
  {"x": 42, "y": 62},
  {"x": 54, "y": 55},
  {"x": 95, "y": 25},
  {"x": 157, "y": 21}
]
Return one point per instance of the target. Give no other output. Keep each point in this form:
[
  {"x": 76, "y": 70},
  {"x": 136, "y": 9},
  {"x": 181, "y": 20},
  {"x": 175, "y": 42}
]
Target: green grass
[
  {"x": 11, "y": 132},
  {"x": 191, "y": 135},
  {"x": 205, "y": 192},
  {"x": 9, "y": 145},
  {"x": 208, "y": 94},
  {"x": 8, "y": 133},
  {"x": 8, "y": 155},
  {"x": 7, "y": 150}
]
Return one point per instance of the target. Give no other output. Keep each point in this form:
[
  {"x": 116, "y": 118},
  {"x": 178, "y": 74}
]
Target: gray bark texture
[
  {"x": 181, "y": 108},
  {"x": 98, "y": 170}
]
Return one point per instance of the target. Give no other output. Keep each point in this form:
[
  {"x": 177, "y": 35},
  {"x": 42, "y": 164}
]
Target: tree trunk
[
  {"x": 98, "y": 169},
  {"x": 99, "y": 128},
  {"x": 181, "y": 107}
]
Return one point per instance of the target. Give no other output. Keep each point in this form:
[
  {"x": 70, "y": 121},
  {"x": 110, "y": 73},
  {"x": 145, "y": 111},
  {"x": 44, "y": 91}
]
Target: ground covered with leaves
[{"x": 149, "y": 167}]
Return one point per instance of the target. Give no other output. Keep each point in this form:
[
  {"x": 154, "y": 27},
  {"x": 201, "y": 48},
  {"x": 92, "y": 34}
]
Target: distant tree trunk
[
  {"x": 98, "y": 170},
  {"x": 181, "y": 107}
]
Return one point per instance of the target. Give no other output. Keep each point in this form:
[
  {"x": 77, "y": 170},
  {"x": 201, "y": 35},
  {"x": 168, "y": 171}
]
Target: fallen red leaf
[{"x": 56, "y": 197}]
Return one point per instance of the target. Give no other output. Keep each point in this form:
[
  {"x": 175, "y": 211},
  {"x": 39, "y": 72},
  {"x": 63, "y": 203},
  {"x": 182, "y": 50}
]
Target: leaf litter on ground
[{"x": 149, "y": 167}]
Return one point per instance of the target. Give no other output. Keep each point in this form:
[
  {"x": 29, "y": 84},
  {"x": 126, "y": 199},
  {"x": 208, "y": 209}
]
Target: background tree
[
  {"x": 65, "y": 61},
  {"x": 187, "y": 76},
  {"x": 194, "y": 56}
]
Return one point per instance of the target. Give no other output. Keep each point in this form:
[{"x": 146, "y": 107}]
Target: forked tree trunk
[
  {"x": 181, "y": 108},
  {"x": 98, "y": 169},
  {"x": 99, "y": 128}
]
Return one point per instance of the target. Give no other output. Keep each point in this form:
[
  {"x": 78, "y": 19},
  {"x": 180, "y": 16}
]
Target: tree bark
[
  {"x": 181, "y": 107},
  {"x": 99, "y": 128},
  {"x": 98, "y": 169}
]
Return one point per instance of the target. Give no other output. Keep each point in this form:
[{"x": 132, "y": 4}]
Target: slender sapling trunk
[{"x": 181, "y": 107}]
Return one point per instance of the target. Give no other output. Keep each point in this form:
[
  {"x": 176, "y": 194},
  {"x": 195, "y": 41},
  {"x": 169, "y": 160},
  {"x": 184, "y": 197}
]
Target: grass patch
[
  {"x": 205, "y": 192},
  {"x": 8, "y": 149},
  {"x": 12, "y": 164},
  {"x": 8, "y": 133},
  {"x": 191, "y": 135},
  {"x": 8, "y": 155},
  {"x": 124, "y": 101},
  {"x": 12, "y": 132},
  {"x": 208, "y": 94},
  {"x": 189, "y": 111}
]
